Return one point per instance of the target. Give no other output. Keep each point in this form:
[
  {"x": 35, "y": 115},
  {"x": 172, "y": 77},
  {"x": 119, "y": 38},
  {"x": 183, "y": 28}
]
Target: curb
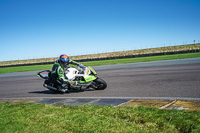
[
  {"x": 191, "y": 105},
  {"x": 169, "y": 104}
]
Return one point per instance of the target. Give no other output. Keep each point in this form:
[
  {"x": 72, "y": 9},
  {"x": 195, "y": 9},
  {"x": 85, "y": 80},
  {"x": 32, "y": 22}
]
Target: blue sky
[{"x": 47, "y": 28}]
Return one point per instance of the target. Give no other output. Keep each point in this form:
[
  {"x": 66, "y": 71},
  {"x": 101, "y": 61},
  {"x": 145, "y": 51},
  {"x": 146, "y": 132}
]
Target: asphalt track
[{"x": 170, "y": 79}]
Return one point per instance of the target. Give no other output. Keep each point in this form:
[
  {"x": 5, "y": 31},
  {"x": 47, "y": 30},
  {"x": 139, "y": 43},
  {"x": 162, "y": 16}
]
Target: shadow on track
[
  {"x": 46, "y": 92},
  {"x": 55, "y": 92}
]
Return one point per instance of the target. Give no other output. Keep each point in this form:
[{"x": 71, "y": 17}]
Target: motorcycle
[{"x": 84, "y": 77}]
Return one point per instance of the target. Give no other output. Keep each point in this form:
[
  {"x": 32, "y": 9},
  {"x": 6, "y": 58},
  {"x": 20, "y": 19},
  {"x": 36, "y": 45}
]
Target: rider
[{"x": 58, "y": 72}]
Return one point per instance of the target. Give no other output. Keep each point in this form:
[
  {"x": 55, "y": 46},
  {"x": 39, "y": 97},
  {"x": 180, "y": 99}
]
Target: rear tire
[{"x": 100, "y": 84}]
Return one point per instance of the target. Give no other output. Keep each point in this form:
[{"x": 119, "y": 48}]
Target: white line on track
[{"x": 150, "y": 98}]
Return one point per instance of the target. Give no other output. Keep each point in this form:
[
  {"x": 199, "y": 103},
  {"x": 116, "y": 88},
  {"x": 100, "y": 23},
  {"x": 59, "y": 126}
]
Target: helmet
[{"x": 64, "y": 60}]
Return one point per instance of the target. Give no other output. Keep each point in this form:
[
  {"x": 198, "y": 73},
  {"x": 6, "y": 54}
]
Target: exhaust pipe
[{"x": 50, "y": 87}]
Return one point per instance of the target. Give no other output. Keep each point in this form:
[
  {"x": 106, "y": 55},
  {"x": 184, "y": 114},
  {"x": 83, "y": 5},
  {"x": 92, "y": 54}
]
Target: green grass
[
  {"x": 92, "y": 118},
  {"x": 25, "y": 68},
  {"x": 143, "y": 59},
  {"x": 103, "y": 62},
  {"x": 179, "y": 48}
]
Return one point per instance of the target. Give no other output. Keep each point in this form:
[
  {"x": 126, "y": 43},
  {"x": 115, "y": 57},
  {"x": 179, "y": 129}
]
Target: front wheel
[{"x": 99, "y": 84}]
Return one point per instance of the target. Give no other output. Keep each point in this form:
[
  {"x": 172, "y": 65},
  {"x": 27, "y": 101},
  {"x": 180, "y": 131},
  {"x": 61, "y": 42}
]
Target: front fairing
[{"x": 90, "y": 78}]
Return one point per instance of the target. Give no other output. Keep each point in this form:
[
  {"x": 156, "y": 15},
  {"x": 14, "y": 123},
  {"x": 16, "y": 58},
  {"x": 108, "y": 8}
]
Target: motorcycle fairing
[
  {"x": 82, "y": 78},
  {"x": 71, "y": 73},
  {"x": 90, "y": 78},
  {"x": 81, "y": 85},
  {"x": 44, "y": 74}
]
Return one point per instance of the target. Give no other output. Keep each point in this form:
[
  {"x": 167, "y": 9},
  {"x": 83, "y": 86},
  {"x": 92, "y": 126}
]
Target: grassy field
[
  {"x": 190, "y": 47},
  {"x": 103, "y": 62},
  {"x": 92, "y": 118}
]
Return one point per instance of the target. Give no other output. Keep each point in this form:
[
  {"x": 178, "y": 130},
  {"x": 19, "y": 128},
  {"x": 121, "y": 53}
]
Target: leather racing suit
[{"x": 58, "y": 73}]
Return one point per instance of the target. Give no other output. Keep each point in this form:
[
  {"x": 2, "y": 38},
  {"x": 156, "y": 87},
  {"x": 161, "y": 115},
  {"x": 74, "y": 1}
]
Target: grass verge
[
  {"x": 93, "y": 118},
  {"x": 103, "y": 62}
]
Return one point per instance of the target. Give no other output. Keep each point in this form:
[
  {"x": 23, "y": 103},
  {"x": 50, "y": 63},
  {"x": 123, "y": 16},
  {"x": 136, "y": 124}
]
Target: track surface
[{"x": 171, "y": 78}]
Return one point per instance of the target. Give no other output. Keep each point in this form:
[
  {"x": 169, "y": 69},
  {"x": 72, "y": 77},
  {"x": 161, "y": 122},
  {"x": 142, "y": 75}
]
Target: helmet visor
[{"x": 66, "y": 64}]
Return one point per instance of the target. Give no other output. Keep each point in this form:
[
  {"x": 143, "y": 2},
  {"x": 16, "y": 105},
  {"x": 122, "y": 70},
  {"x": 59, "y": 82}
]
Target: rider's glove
[{"x": 81, "y": 65}]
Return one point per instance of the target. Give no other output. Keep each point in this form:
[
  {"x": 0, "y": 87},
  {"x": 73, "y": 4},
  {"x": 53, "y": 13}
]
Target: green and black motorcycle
[{"x": 85, "y": 78}]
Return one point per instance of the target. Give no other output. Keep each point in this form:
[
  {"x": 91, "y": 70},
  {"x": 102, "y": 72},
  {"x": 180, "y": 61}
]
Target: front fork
[{"x": 95, "y": 84}]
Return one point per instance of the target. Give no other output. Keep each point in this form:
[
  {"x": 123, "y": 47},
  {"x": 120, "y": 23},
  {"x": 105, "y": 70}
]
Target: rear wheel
[{"x": 99, "y": 84}]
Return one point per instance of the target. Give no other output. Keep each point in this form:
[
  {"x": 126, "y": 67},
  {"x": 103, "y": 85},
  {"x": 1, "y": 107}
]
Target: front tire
[{"x": 99, "y": 84}]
